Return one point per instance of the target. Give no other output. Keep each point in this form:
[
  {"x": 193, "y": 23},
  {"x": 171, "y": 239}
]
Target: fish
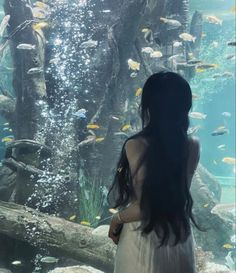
[
  {"x": 113, "y": 211},
  {"x": 226, "y": 114},
  {"x": 4, "y": 24},
  {"x": 49, "y": 260},
  {"x": 228, "y": 246},
  {"x": 177, "y": 44},
  {"x": 138, "y": 92},
  {"x": 220, "y": 131},
  {"x": 93, "y": 126},
  {"x": 115, "y": 118},
  {"x": 214, "y": 161},
  {"x": 7, "y": 139},
  {"x": 6, "y": 123},
  {"x": 207, "y": 66},
  {"x": 133, "y": 75},
  {"x": 195, "y": 96},
  {"x": 98, "y": 217},
  {"x": 156, "y": 54},
  {"x": 5, "y": 129},
  {"x": 193, "y": 130},
  {"x": 85, "y": 223},
  {"x": 120, "y": 134},
  {"x": 197, "y": 115},
  {"x": 40, "y": 26},
  {"x": 214, "y": 44},
  {"x": 106, "y": 10},
  {"x": 26, "y": 46},
  {"x": 214, "y": 20},
  {"x": 203, "y": 34},
  {"x": 194, "y": 61},
  {"x": 80, "y": 113},
  {"x": 125, "y": 127},
  {"x": 229, "y": 160},
  {"x": 205, "y": 205},
  {"x": 148, "y": 50},
  {"x": 230, "y": 57},
  {"x": 187, "y": 37},
  {"x": 233, "y": 9},
  {"x": 35, "y": 70},
  {"x": 99, "y": 139},
  {"x": 232, "y": 43},
  {"x": 133, "y": 65},
  {"x": 221, "y": 147},
  {"x": 145, "y": 29},
  {"x": 16, "y": 263},
  {"x": 89, "y": 44},
  {"x": 41, "y": 5},
  {"x": 39, "y": 13},
  {"x": 72, "y": 218},
  {"x": 171, "y": 23},
  {"x": 227, "y": 74}
]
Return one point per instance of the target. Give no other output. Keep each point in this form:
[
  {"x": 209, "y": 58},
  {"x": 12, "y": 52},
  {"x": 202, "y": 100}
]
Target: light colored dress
[{"x": 139, "y": 254}]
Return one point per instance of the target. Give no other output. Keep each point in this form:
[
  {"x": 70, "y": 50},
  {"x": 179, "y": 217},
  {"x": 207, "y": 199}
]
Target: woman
[{"x": 153, "y": 178}]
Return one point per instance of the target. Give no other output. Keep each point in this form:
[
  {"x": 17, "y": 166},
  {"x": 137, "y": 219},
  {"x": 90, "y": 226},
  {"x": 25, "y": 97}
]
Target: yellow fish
[
  {"x": 113, "y": 211},
  {"x": 138, "y": 92},
  {"x": 229, "y": 160},
  {"x": 98, "y": 217},
  {"x": 72, "y": 218},
  {"x": 93, "y": 126},
  {"x": 99, "y": 139},
  {"x": 145, "y": 29},
  {"x": 233, "y": 9},
  {"x": 125, "y": 127},
  {"x": 133, "y": 65},
  {"x": 228, "y": 246},
  {"x": 39, "y": 26},
  {"x": 41, "y": 5},
  {"x": 85, "y": 223},
  {"x": 200, "y": 70},
  {"x": 7, "y": 139},
  {"x": 206, "y": 205}
]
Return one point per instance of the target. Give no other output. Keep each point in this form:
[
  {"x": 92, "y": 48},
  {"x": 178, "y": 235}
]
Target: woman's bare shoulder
[
  {"x": 194, "y": 143},
  {"x": 136, "y": 144}
]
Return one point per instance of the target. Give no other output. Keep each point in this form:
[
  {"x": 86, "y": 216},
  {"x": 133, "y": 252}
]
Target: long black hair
[{"x": 166, "y": 202}]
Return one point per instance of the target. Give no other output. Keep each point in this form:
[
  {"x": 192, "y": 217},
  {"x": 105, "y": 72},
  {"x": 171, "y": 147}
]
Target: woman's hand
[{"x": 113, "y": 226}]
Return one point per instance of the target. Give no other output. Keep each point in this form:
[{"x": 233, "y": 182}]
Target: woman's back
[
  {"x": 135, "y": 148},
  {"x": 139, "y": 254}
]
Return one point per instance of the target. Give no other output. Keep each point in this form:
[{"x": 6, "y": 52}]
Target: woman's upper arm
[
  {"x": 194, "y": 157},
  {"x": 134, "y": 151}
]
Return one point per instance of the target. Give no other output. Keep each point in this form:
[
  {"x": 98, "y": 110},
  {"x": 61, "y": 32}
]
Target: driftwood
[{"x": 60, "y": 237}]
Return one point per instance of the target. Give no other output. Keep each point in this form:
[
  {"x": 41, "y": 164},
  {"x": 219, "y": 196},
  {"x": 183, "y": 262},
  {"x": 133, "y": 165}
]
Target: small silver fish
[
  {"x": 35, "y": 70},
  {"x": 49, "y": 260},
  {"x": 226, "y": 114},
  {"x": 171, "y": 23},
  {"x": 89, "y": 44},
  {"x": 26, "y": 46},
  {"x": 17, "y": 263},
  {"x": 133, "y": 75}
]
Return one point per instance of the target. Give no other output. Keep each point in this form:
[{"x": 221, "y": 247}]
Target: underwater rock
[
  {"x": 216, "y": 268},
  {"x": 101, "y": 230},
  {"x": 3, "y": 270},
  {"x": 76, "y": 269},
  {"x": 7, "y": 183}
]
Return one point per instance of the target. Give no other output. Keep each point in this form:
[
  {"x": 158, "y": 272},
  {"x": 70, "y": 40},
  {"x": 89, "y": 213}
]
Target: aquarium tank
[{"x": 71, "y": 79}]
